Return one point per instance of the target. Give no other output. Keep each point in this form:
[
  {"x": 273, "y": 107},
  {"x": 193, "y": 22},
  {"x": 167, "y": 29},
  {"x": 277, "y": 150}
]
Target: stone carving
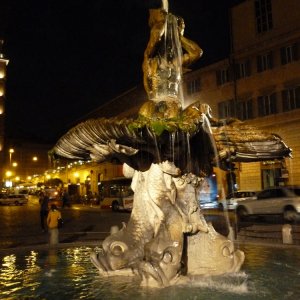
[
  {"x": 166, "y": 208},
  {"x": 168, "y": 152}
]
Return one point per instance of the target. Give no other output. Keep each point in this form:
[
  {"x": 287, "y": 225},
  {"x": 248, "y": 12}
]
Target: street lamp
[
  {"x": 8, "y": 174},
  {"x": 11, "y": 151},
  {"x": 35, "y": 158},
  {"x": 8, "y": 182}
]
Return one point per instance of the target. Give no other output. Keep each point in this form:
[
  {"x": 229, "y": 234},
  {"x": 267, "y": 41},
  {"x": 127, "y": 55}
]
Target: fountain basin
[{"x": 269, "y": 272}]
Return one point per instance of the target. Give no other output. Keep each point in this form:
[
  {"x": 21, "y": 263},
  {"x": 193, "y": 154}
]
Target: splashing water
[
  {"x": 169, "y": 71},
  {"x": 165, "y": 5}
]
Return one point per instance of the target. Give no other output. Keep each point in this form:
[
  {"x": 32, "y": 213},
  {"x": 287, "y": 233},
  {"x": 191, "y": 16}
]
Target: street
[{"x": 20, "y": 225}]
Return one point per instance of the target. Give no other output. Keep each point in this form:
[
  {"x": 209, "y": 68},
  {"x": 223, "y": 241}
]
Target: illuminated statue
[
  {"x": 164, "y": 57},
  {"x": 168, "y": 152}
]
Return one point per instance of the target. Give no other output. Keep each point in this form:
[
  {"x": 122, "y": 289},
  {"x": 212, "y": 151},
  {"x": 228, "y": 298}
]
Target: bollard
[
  {"x": 231, "y": 234},
  {"x": 287, "y": 237},
  {"x": 114, "y": 229}
]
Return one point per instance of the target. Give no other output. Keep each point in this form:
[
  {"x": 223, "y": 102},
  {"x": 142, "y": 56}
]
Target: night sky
[{"x": 68, "y": 57}]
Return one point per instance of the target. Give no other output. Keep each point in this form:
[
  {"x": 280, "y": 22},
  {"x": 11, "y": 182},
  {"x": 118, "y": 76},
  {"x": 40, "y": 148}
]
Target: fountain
[{"x": 168, "y": 151}]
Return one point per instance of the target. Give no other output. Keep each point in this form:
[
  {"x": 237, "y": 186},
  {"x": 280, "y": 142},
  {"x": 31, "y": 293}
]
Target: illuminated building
[
  {"x": 258, "y": 83},
  {"x": 3, "y": 64}
]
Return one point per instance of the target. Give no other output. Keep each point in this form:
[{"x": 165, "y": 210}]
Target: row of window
[
  {"x": 266, "y": 105},
  {"x": 264, "y": 62},
  {"x": 288, "y": 54}
]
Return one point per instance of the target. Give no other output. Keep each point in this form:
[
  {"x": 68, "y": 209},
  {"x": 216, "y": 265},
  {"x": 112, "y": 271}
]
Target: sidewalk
[
  {"x": 85, "y": 207},
  {"x": 275, "y": 234}
]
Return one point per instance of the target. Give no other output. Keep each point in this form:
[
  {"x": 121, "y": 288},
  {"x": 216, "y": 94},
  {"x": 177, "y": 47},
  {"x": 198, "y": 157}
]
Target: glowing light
[
  {"x": 17, "y": 178},
  {"x": 8, "y": 173},
  {"x": 14, "y": 164},
  {"x": 29, "y": 177},
  {"x": 35, "y": 158},
  {"x": 76, "y": 174},
  {"x": 2, "y": 74},
  {"x": 8, "y": 183},
  {"x": 11, "y": 151}
]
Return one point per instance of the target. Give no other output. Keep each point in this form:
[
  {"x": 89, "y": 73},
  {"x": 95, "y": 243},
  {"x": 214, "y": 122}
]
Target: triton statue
[{"x": 168, "y": 152}]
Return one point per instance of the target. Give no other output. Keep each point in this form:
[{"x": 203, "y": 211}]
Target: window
[
  {"x": 263, "y": 15},
  {"x": 193, "y": 86},
  {"x": 289, "y": 54},
  {"x": 264, "y": 62},
  {"x": 223, "y": 76},
  {"x": 244, "y": 110},
  {"x": 291, "y": 98},
  {"x": 242, "y": 70},
  {"x": 267, "y": 105},
  {"x": 226, "y": 109}
]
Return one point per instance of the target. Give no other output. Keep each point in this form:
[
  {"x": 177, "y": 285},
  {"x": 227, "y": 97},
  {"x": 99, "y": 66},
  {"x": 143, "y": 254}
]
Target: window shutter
[
  {"x": 259, "y": 63},
  {"x": 270, "y": 60},
  {"x": 248, "y": 68},
  {"x": 297, "y": 93},
  {"x": 295, "y": 51},
  {"x": 230, "y": 72},
  {"x": 237, "y": 71},
  {"x": 260, "y": 106},
  {"x": 283, "y": 56},
  {"x": 250, "y": 109},
  {"x": 284, "y": 100},
  {"x": 273, "y": 104},
  {"x": 218, "y": 77}
]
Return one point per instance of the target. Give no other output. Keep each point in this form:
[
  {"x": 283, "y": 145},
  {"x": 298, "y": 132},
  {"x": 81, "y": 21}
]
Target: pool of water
[{"x": 268, "y": 273}]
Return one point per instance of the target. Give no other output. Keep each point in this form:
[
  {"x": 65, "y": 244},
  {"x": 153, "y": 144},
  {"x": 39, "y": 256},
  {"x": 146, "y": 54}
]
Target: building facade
[
  {"x": 3, "y": 64},
  {"x": 259, "y": 83}
]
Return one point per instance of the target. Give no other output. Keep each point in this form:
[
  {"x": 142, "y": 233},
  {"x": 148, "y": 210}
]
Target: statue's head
[{"x": 157, "y": 16}]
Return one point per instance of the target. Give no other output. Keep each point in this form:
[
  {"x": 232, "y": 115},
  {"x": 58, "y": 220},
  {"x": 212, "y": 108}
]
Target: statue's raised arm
[{"x": 193, "y": 51}]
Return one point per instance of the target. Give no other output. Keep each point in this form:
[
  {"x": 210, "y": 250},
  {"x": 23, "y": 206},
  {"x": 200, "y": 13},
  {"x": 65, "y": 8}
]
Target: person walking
[
  {"x": 65, "y": 199},
  {"x": 44, "y": 202},
  {"x": 52, "y": 221}
]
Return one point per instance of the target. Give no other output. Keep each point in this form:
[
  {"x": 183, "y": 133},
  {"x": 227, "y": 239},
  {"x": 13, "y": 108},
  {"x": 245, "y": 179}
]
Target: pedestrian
[
  {"x": 44, "y": 208},
  {"x": 65, "y": 199},
  {"x": 52, "y": 221}
]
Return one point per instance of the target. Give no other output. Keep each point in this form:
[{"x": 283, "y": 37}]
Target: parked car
[
  {"x": 13, "y": 199},
  {"x": 209, "y": 204},
  {"x": 283, "y": 201},
  {"x": 234, "y": 198},
  {"x": 24, "y": 192}
]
